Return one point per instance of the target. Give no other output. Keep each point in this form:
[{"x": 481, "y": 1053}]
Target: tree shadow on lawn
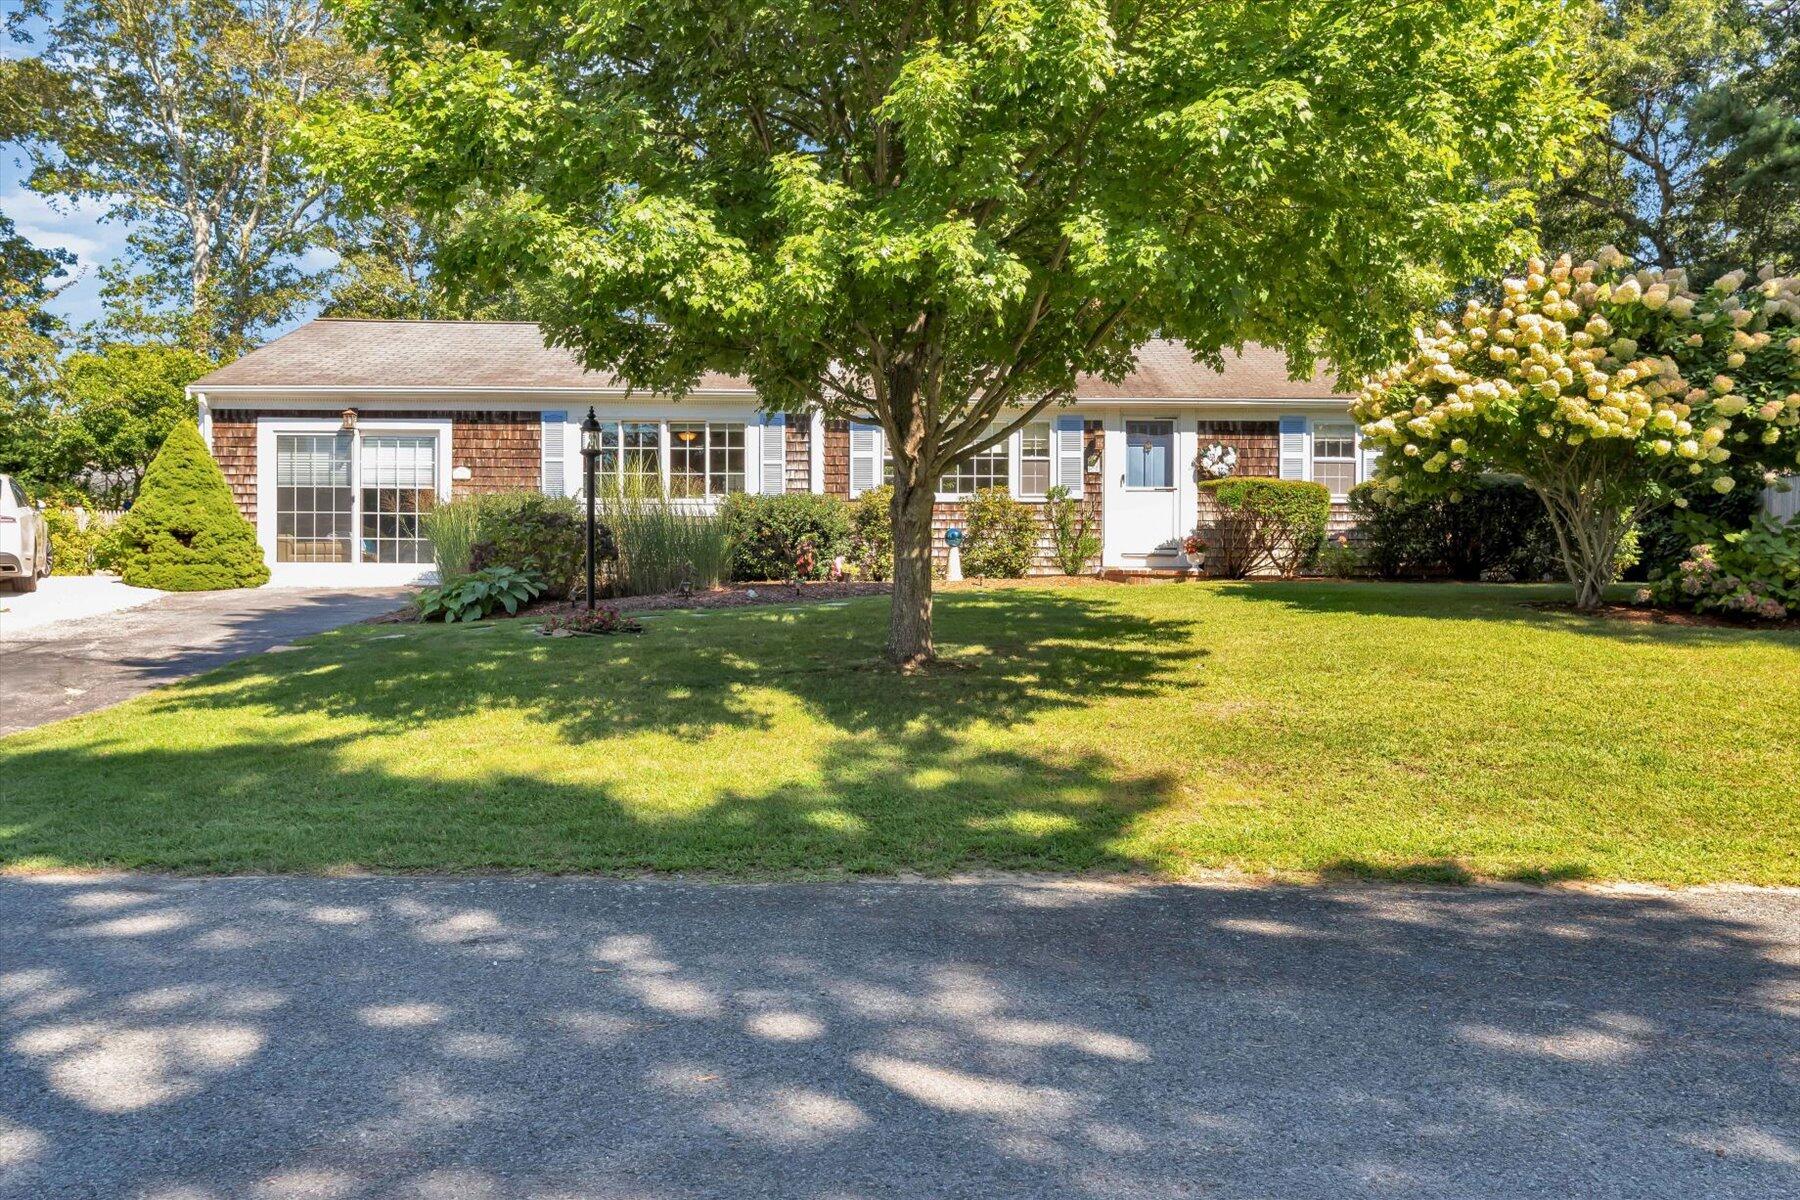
[
  {"x": 1013, "y": 655},
  {"x": 898, "y": 785},
  {"x": 1525, "y": 604},
  {"x": 385, "y": 1037}
]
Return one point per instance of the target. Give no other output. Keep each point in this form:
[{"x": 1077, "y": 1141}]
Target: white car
[{"x": 24, "y": 539}]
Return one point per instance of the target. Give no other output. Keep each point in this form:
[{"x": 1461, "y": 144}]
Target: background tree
[
  {"x": 387, "y": 270},
  {"x": 176, "y": 114},
  {"x": 119, "y": 404},
  {"x": 1696, "y": 165},
  {"x": 1612, "y": 394},
  {"x": 30, "y": 277},
  {"x": 935, "y": 217}
]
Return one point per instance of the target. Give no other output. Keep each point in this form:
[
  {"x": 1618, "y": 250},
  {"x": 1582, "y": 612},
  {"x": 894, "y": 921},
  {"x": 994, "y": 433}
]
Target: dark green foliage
[
  {"x": 1498, "y": 530},
  {"x": 872, "y": 533},
  {"x": 1002, "y": 533},
  {"x": 482, "y": 593},
  {"x": 1665, "y": 536},
  {"x": 1267, "y": 524},
  {"x": 543, "y": 536},
  {"x": 184, "y": 533},
  {"x": 767, "y": 533},
  {"x": 1072, "y": 531}
]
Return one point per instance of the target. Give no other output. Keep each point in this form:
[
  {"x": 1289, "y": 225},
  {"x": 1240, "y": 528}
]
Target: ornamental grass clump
[{"x": 1612, "y": 393}]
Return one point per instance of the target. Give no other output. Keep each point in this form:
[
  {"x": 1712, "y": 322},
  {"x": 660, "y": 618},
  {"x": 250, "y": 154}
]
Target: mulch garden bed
[
  {"x": 1644, "y": 614},
  {"x": 731, "y": 595}
]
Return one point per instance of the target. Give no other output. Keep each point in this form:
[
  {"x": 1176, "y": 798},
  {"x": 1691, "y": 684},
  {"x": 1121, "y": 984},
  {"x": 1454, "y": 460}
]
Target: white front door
[{"x": 1144, "y": 525}]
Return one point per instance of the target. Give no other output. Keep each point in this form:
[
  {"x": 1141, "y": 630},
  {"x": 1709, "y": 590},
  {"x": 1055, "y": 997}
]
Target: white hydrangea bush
[{"x": 1611, "y": 392}]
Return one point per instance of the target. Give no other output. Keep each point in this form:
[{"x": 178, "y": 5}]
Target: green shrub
[
  {"x": 1748, "y": 572},
  {"x": 109, "y": 547},
  {"x": 1072, "y": 531},
  {"x": 661, "y": 546},
  {"x": 1667, "y": 535},
  {"x": 872, "y": 533},
  {"x": 184, "y": 533},
  {"x": 1340, "y": 558},
  {"x": 71, "y": 546},
  {"x": 1002, "y": 535},
  {"x": 1266, "y": 524},
  {"x": 453, "y": 529},
  {"x": 477, "y": 595},
  {"x": 766, "y": 533},
  {"x": 544, "y": 536},
  {"x": 1497, "y": 530}
]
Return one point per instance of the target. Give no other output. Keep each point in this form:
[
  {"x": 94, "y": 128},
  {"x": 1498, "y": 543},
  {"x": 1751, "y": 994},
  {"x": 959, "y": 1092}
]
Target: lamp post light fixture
[{"x": 590, "y": 454}]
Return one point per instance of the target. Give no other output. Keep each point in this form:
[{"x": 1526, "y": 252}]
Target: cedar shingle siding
[{"x": 501, "y": 449}]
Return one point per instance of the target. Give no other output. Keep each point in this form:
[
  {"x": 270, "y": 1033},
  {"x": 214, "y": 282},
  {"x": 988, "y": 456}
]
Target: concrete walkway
[
  {"x": 507, "y": 1038},
  {"x": 68, "y": 667}
]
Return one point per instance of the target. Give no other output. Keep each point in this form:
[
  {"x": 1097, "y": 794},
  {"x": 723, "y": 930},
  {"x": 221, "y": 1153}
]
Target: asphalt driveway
[
  {"x": 489, "y": 1038},
  {"x": 59, "y": 670}
]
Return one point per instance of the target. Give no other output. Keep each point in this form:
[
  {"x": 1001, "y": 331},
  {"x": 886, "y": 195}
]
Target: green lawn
[{"x": 1293, "y": 729}]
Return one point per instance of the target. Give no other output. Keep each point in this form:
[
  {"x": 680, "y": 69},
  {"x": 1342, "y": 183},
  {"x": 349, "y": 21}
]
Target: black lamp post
[{"x": 590, "y": 453}]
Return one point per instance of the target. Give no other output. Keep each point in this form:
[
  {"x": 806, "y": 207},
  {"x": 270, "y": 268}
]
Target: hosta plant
[
  {"x": 1612, "y": 393},
  {"x": 479, "y": 594}
]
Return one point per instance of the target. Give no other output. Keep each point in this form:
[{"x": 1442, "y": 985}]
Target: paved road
[
  {"x": 277, "y": 1038},
  {"x": 77, "y": 666},
  {"x": 67, "y": 598}
]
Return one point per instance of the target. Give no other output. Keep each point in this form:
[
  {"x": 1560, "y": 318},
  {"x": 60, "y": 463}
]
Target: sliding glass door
[{"x": 344, "y": 497}]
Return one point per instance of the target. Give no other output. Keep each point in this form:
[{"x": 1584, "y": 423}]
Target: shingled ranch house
[{"x": 335, "y": 436}]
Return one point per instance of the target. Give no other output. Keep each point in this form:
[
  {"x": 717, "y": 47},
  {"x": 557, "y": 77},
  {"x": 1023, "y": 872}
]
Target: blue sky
[{"x": 80, "y": 229}]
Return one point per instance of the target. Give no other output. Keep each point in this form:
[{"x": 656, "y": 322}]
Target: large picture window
[
  {"x": 314, "y": 502},
  {"x": 1334, "y": 456}
]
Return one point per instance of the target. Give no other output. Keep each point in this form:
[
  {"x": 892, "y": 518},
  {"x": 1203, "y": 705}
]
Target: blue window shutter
[
  {"x": 1071, "y": 454},
  {"x": 552, "y": 438},
  {"x": 1293, "y": 447},
  {"x": 865, "y": 457},
  {"x": 774, "y": 454}
]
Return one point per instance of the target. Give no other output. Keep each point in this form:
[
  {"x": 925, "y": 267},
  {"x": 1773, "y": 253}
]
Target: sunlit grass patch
[{"x": 1409, "y": 732}]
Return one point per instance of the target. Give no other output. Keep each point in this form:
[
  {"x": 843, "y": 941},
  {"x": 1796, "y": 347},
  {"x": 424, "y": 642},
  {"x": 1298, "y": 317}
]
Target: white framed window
[
  {"x": 989, "y": 468},
  {"x": 1334, "y": 456},
  {"x": 1035, "y": 449},
  {"x": 706, "y": 458}
]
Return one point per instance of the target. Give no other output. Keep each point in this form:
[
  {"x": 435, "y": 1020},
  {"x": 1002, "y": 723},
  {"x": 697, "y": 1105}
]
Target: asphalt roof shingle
[{"x": 427, "y": 355}]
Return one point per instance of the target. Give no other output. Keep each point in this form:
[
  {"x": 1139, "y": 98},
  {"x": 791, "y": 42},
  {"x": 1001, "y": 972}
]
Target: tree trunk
[
  {"x": 909, "y": 619},
  {"x": 1588, "y": 538}
]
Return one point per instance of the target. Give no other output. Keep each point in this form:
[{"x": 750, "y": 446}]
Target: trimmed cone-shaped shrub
[{"x": 185, "y": 534}]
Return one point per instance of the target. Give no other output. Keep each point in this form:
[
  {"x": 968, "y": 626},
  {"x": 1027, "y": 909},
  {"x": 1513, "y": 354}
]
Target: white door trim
[{"x": 350, "y": 574}]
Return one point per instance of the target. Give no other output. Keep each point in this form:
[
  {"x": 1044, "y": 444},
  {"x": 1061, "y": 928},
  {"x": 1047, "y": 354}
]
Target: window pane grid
[
  {"x": 1034, "y": 459},
  {"x": 984, "y": 470},
  {"x": 1334, "y": 456},
  {"x": 399, "y": 481},
  {"x": 314, "y": 503}
]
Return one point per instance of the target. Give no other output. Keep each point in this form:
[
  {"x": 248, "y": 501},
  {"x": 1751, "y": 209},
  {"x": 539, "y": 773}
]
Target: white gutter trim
[{"x": 270, "y": 389}]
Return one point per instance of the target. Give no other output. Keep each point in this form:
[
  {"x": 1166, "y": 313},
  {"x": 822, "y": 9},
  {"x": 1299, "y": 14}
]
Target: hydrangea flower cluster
[
  {"x": 1676, "y": 389},
  {"x": 1703, "y": 584}
]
